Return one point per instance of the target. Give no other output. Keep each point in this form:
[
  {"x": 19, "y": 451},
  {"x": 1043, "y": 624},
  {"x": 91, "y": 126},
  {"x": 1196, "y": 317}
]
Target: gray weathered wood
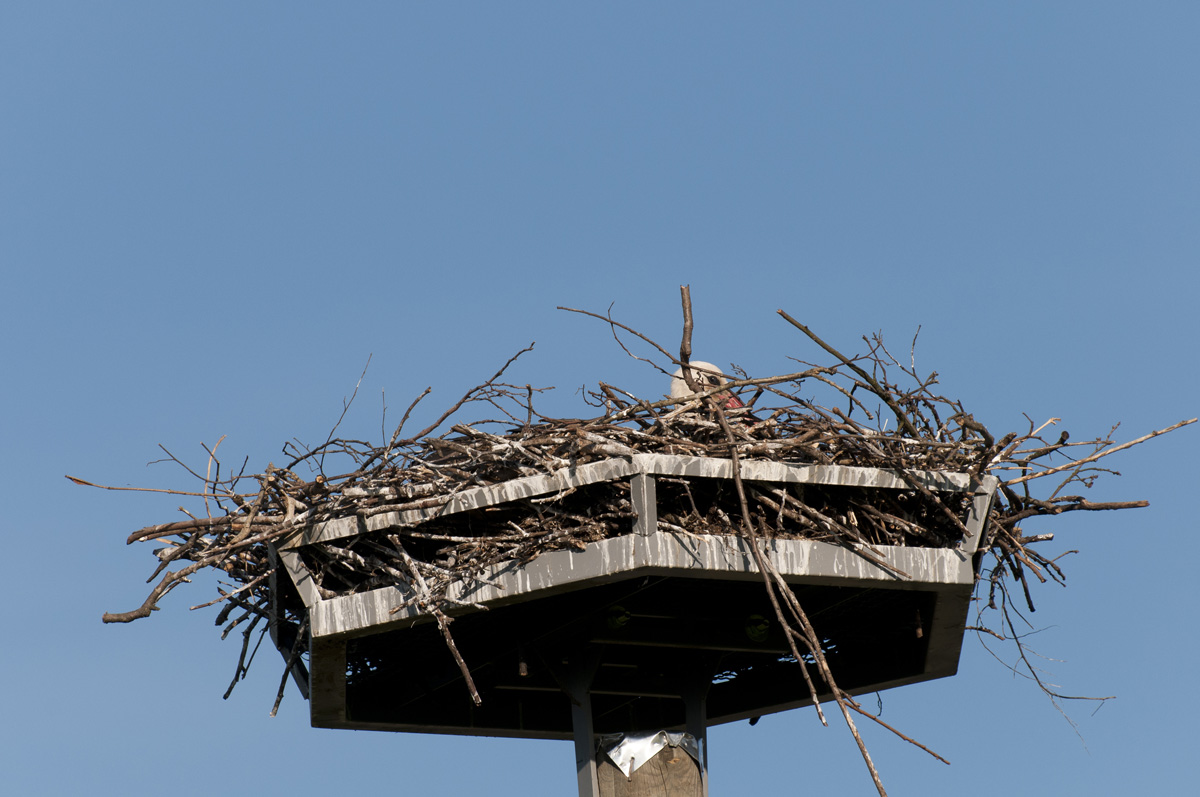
[
  {"x": 276, "y": 623},
  {"x": 645, "y": 503},
  {"x": 300, "y": 576},
  {"x": 650, "y": 464},
  {"x": 671, "y": 773},
  {"x": 660, "y": 553},
  {"x": 645, "y": 550}
]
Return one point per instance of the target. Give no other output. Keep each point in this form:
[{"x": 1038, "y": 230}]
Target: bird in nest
[{"x": 706, "y": 377}]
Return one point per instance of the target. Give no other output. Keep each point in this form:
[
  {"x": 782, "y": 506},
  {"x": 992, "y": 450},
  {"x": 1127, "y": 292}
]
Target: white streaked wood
[
  {"x": 649, "y": 464},
  {"x": 660, "y": 553}
]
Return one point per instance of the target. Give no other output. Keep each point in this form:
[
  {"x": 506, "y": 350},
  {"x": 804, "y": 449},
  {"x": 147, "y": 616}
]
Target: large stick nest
[{"x": 873, "y": 411}]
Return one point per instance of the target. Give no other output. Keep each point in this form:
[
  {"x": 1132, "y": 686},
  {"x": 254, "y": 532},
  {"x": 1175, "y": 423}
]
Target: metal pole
[
  {"x": 581, "y": 669},
  {"x": 585, "y": 745},
  {"x": 695, "y": 707}
]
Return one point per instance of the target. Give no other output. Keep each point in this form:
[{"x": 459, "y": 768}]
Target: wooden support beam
[
  {"x": 670, "y": 773},
  {"x": 643, "y": 496}
]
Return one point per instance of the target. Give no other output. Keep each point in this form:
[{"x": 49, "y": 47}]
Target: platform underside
[{"x": 651, "y": 616}]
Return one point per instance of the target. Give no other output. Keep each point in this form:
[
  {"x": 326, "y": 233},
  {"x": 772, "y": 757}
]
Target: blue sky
[{"x": 212, "y": 214}]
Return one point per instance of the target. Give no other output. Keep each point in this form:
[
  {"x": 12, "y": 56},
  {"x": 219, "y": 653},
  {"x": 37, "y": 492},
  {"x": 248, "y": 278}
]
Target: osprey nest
[{"x": 874, "y": 411}]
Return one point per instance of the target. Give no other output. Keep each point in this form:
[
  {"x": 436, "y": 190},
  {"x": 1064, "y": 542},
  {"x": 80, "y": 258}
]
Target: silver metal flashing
[{"x": 630, "y": 750}]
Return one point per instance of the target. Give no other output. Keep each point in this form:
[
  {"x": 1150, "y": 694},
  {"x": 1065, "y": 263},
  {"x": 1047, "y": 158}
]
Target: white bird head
[{"x": 706, "y": 376}]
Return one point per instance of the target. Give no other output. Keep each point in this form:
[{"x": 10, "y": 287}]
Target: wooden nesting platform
[{"x": 651, "y": 616}]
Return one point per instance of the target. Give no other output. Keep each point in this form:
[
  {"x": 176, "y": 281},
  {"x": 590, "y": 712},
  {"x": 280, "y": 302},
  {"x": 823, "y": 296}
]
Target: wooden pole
[{"x": 670, "y": 773}]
